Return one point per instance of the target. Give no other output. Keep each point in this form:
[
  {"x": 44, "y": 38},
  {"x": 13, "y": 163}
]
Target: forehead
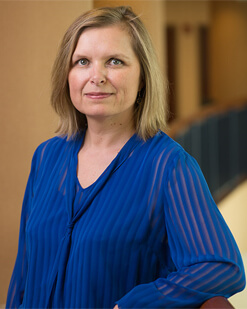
[{"x": 107, "y": 37}]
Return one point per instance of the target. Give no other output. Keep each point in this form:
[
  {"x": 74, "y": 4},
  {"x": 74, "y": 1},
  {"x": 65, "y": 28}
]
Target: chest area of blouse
[
  {"x": 127, "y": 209},
  {"x": 125, "y": 205}
]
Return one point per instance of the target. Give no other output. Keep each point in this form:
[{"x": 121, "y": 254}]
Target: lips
[{"x": 98, "y": 95}]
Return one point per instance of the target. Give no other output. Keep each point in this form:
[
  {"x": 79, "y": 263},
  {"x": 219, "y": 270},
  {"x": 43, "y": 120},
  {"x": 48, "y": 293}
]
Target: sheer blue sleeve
[
  {"x": 206, "y": 258},
  {"x": 18, "y": 279}
]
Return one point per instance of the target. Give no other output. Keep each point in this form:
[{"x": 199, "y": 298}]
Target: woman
[{"x": 115, "y": 212}]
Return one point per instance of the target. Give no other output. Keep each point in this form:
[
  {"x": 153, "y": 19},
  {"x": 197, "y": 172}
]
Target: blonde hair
[{"x": 150, "y": 108}]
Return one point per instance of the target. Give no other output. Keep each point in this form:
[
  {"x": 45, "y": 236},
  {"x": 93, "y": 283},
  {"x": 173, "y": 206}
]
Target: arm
[
  {"x": 217, "y": 302},
  {"x": 18, "y": 279},
  {"x": 207, "y": 260}
]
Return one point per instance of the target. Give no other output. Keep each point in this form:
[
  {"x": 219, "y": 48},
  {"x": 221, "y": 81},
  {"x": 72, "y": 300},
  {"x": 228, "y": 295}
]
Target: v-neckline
[{"x": 122, "y": 155}]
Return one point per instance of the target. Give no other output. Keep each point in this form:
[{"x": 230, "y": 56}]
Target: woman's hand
[{"x": 116, "y": 307}]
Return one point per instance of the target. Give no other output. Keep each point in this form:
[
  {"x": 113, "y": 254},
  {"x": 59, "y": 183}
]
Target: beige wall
[
  {"x": 30, "y": 34},
  {"x": 227, "y": 21},
  {"x": 228, "y": 69},
  {"x": 186, "y": 17}
]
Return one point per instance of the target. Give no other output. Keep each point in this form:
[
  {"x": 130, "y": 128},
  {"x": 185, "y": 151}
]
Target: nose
[{"x": 98, "y": 76}]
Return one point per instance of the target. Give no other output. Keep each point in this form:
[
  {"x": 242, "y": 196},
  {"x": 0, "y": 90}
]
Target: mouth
[{"x": 98, "y": 95}]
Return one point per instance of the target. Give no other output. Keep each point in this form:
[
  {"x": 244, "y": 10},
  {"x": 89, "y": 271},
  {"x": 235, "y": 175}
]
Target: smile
[{"x": 98, "y": 95}]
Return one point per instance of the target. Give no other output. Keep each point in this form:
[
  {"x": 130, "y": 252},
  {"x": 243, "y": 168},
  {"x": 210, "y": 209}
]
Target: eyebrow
[
  {"x": 119, "y": 56},
  {"x": 76, "y": 56}
]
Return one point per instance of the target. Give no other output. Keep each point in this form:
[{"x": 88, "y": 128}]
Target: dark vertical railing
[{"x": 219, "y": 144}]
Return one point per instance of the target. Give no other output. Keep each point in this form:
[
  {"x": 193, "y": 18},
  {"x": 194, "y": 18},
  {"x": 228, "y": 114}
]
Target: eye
[
  {"x": 114, "y": 61},
  {"x": 83, "y": 62}
]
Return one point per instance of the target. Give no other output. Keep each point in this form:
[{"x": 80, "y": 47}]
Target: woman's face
[{"x": 105, "y": 76}]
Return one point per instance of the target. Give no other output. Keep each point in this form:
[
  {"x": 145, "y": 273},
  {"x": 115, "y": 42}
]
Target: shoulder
[
  {"x": 168, "y": 155},
  {"x": 53, "y": 144},
  {"x": 163, "y": 145},
  {"x": 52, "y": 150}
]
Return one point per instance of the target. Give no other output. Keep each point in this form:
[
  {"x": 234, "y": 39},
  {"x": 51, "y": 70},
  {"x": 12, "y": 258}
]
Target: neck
[{"x": 108, "y": 134}]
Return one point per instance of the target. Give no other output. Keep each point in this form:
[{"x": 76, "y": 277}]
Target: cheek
[
  {"x": 74, "y": 89},
  {"x": 132, "y": 84},
  {"x": 76, "y": 81},
  {"x": 73, "y": 81},
  {"x": 125, "y": 82}
]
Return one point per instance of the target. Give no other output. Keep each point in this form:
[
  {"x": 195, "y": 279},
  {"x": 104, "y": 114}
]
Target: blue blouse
[{"x": 145, "y": 234}]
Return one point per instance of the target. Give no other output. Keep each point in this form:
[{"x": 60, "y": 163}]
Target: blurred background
[{"x": 202, "y": 49}]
